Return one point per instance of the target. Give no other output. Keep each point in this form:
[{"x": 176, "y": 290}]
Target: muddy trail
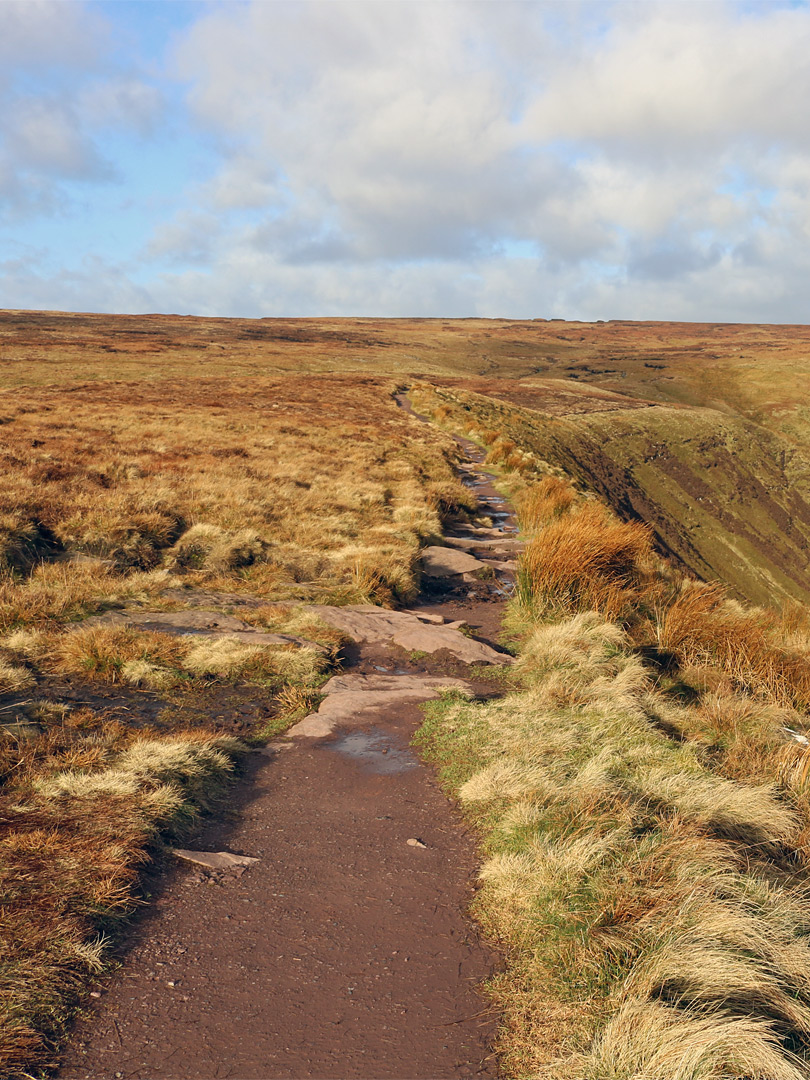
[{"x": 344, "y": 950}]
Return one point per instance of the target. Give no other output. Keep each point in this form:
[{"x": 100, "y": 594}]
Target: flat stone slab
[
  {"x": 352, "y": 699},
  {"x": 502, "y": 546},
  {"x": 183, "y": 622},
  {"x": 424, "y": 616},
  {"x": 352, "y": 684},
  {"x": 379, "y": 626},
  {"x": 490, "y": 533},
  {"x": 215, "y": 860},
  {"x": 441, "y": 562}
]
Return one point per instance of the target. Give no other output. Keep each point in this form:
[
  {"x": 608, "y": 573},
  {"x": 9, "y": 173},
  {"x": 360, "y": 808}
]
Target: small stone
[
  {"x": 95, "y": 994},
  {"x": 413, "y": 842}
]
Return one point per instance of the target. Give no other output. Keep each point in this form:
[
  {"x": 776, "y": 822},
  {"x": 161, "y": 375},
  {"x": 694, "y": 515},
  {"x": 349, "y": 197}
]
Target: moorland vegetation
[
  {"x": 642, "y": 791},
  {"x": 643, "y": 802},
  {"x": 255, "y": 497}
]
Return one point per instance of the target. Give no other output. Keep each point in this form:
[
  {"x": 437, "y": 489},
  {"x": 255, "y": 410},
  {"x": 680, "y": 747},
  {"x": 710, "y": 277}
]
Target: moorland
[{"x": 640, "y": 790}]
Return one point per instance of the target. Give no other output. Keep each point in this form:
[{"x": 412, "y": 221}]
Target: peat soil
[{"x": 345, "y": 951}]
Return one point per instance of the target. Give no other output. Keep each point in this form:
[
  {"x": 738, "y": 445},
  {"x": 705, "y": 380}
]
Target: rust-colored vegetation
[
  {"x": 645, "y": 793},
  {"x": 267, "y": 493},
  {"x": 584, "y": 560}
]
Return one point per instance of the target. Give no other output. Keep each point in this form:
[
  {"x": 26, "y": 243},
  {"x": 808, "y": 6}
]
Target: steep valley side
[{"x": 726, "y": 498}]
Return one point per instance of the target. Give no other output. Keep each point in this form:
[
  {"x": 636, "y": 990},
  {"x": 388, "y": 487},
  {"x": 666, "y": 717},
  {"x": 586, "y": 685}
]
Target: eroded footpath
[{"x": 344, "y": 950}]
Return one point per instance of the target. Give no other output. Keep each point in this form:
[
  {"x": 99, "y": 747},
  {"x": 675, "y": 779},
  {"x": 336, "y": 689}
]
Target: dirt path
[{"x": 344, "y": 952}]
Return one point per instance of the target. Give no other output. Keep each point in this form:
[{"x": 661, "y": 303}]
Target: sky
[{"x": 579, "y": 160}]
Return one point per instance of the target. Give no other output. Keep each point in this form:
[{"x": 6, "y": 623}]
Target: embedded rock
[
  {"x": 350, "y": 699},
  {"x": 199, "y": 623},
  {"x": 379, "y": 626},
  {"x": 442, "y": 562}
]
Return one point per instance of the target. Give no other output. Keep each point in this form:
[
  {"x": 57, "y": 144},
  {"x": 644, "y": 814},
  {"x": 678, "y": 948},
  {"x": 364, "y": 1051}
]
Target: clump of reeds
[{"x": 583, "y": 560}]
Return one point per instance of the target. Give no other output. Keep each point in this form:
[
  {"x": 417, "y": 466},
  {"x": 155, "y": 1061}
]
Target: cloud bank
[{"x": 583, "y": 160}]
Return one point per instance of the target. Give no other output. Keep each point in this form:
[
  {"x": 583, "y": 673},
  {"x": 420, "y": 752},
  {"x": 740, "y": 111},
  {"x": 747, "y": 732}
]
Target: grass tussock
[
  {"x": 584, "y": 560},
  {"x": 79, "y": 820},
  {"x": 124, "y": 654},
  {"x": 544, "y": 501},
  {"x": 650, "y": 927},
  {"x": 110, "y": 652},
  {"x": 701, "y": 626},
  {"x": 14, "y": 679}
]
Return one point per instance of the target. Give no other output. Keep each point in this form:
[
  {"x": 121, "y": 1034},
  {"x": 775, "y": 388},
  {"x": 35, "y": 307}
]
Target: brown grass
[
  {"x": 288, "y": 490},
  {"x": 651, "y": 929},
  {"x": 701, "y": 626},
  {"x": 76, "y": 826},
  {"x": 585, "y": 560},
  {"x": 214, "y": 477},
  {"x": 544, "y": 501}
]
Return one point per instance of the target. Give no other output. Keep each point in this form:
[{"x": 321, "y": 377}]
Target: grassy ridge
[{"x": 644, "y": 813}]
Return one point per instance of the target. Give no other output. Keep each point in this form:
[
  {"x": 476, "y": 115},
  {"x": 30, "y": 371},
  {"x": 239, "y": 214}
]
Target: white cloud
[
  {"x": 124, "y": 102},
  {"x": 645, "y": 160},
  {"x": 39, "y": 32},
  {"x": 45, "y": 136},
  {"x": 674, "y": 79},
  {"x": 624, "y": 140},
  {"x": 59, "y": 91}
]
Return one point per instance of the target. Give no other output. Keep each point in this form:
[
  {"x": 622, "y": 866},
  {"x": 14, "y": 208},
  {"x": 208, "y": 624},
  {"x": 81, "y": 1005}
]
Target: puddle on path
[{"x": 376, "y": 750}]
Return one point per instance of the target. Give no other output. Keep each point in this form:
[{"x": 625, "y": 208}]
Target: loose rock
[
  {"x": 442, "y": 562},
  {"x": 215, "y": 860}
]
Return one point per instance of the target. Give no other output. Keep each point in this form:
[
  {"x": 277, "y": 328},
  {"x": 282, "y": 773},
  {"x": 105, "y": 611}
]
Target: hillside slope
[
  {"x": 702, "y": 430},
  {"x": 727, "y": 498}
]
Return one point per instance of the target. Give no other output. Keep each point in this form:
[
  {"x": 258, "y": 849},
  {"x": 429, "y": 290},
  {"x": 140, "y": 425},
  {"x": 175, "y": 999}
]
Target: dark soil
[{"x": 342, "y": 953}]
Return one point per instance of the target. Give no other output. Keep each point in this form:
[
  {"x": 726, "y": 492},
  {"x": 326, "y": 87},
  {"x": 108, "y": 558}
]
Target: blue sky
[{"x": 572, "y": 159}]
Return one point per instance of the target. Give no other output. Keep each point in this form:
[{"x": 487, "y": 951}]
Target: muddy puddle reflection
[{"x": 376, "y": 750}]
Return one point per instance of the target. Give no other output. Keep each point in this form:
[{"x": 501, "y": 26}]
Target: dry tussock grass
[
  {"x": 626, "y": 879},
  {"x": 701, "y": 626},
  {"x": 584, "y": 560},
  {"x": 216, "y": 478},
  {"x": 544, "y": 501},
  {"x": 104, "y": 652},
  {"x": 72, "y": 842},
  {"x": 125, "y": 654},
  {"x": 13, "y": 678}
]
